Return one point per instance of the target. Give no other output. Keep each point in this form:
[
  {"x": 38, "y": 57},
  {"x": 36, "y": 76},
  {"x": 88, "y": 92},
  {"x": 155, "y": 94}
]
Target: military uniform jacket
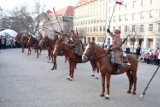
[{"x": 116, "y": 47}]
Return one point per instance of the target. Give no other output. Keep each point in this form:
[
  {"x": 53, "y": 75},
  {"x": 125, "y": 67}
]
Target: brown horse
[
  {"x": 107, "y": 69},
  {"x": 50, "y": 43},
  {"x": 73, "y": 59},
  {"x": 33, "y": 42},
  {"x": 23, "y": 40}
]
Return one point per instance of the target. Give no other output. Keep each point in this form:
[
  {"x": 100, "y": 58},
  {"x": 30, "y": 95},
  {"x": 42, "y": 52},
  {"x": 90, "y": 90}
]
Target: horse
[
  {"x": 23, "y": 40},
  {"x": 93, "y": 51},
  {"x": 33, "y": 42},
  {"x": 50, "y": 43},
  {"x": 73, "y": 59}
]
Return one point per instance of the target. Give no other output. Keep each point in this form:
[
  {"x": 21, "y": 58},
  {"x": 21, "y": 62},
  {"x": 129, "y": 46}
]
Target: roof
[{"x": 66, "y": 11}]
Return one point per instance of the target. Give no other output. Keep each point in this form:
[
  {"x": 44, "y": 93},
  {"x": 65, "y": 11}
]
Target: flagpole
[
  {"x": 111, "y": 16},
  {"x": 109, "y": 21},
  {"x": 57, "y": 19}
]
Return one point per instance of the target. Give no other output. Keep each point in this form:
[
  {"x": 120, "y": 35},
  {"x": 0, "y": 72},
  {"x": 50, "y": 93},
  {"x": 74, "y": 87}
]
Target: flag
[{"x": 120, "y": 2}]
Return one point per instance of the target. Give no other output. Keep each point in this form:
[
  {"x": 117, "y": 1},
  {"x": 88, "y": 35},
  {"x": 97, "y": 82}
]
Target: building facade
[
  {"x": 61, "y": 20},
  {"x": 139, "y": 18}
]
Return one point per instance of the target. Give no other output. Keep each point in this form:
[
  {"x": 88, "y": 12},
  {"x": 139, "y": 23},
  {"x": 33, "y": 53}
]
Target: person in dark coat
[{"x": 138, "y": 52}]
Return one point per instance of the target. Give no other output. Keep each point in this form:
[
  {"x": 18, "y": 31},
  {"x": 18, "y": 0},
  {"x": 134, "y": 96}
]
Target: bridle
[{"x": 91, "y": 57}]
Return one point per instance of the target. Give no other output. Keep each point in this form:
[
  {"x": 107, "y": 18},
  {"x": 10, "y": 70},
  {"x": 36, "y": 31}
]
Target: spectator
[
  {"x": 138, "y": 52},
  {"x": 4, "y": 43}
]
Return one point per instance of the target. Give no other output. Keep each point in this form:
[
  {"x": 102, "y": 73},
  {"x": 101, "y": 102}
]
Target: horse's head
[
  {"x": 57, "y": 47},
  {"x": 89, "y": 51},
  {"x": 45, "y": 39}
]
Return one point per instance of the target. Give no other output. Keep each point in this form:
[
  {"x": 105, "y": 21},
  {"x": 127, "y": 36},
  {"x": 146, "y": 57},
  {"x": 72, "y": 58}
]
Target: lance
[
  {"x": 77, "y": 32},
  {"x": 57, "y": 18},
  {"x": 144, "y": 92}
]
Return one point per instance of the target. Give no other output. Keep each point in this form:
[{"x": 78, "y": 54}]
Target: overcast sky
[{"x": 10, "y": 4}]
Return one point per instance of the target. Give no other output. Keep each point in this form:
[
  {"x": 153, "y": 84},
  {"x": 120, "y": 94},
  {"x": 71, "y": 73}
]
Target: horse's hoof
[
  {"x": 70, "y": 79},
  {"x": 129, "y": 92},
  {"x": 134, "y": 93},
  {"x": 52, "y": 69},
  {"x": 92, "y": 75},
  {"x": 48, "y": 61},
  {"x": 102, "y": 95},
  {"x": 106, "y": 96},
  {"x": 97, "y": 78},
  {"x": 36, "y": 57}
]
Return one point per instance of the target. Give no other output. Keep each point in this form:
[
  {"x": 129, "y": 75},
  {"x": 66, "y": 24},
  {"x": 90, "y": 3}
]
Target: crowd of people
[
  {"x": 151, "y": 56},
  {"x": 8, "y": 42}
]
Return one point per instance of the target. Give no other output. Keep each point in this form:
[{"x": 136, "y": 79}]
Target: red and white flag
[{"x": 120, "y": 2}]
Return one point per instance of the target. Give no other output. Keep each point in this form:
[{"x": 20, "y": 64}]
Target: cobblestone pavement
[{"x": 27, "y": 81}]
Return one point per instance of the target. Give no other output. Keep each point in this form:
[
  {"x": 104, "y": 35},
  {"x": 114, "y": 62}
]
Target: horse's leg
[
  {"x": 37, "y": 52},
  {"x": 54, "y": 62},
  {"x": 134, "y": 74},
  {"x": 69, "y": 76},
  {"x": 103, "y": 84},
  {"x": 108, "y": 77},
  {"x": 22, "y": 48},
  {"x": 130, "y": 81},
  {"x": 65, "y": 58},
  {"x": 28, "y": 49},
  {"x": 73, "y": 64}
]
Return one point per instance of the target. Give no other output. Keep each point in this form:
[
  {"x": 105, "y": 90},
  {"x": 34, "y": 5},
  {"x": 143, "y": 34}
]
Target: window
[
  {"x": 142, "y": 15},
  {"x": 119, "y": 7},
  {"x": 100, "y": 29},
  {"x": 104, "y": 28},
  {"x": 109, "y": 10},
  {"x": 150, "y": 2},
  {"x": 119, "y": 18},
  {"x": 126, "y": 6},
  {"x": 141, "y": 28},
  {"x": 141, "y": 3},
  {"x": 150, "y": 27},
  {"x": 133, "y": 28},
  {"x": 158, "y": 27},
  {"x": 126, "y": 29},
  {"x": 114, "y": 18},
  {"x": 151, "y": 13},
  {"x": 133, "y": 5},
  {"x": 133, "y": 16},
  {"x": 126, "y": 17},
  {"x": 119, "y": 28}
]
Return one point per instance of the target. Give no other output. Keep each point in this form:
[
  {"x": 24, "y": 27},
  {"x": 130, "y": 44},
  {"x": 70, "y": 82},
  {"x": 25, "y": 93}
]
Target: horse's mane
[{"x": 97, "y": 47}]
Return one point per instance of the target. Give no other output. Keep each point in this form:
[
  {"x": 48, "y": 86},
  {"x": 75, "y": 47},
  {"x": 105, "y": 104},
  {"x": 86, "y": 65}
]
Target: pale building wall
[{"x": 136, "y": 13}]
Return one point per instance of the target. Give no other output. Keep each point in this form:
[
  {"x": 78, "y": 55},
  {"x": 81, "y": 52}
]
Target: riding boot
[{"x": 118, "y": 67}]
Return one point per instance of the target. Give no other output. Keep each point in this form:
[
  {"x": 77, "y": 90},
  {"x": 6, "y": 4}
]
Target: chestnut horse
[
  {"x": 50, "y": 43},
  {"x": 93, "y": 51},
  {"x": 73, "y": 59},
  {"x": 23, "y": 40},
  {"x": 33, "y": 42}
]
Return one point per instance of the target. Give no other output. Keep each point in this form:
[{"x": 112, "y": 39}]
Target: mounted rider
[
  {"x": 115, "y": 49},
  {"x": 76, "y": 43}
]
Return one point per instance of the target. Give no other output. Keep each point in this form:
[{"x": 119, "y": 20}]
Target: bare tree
[
  {"x": 39, "y": 14},
  {"x": 20, "y": 19},
  {"x": 135, "y": 34}
]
